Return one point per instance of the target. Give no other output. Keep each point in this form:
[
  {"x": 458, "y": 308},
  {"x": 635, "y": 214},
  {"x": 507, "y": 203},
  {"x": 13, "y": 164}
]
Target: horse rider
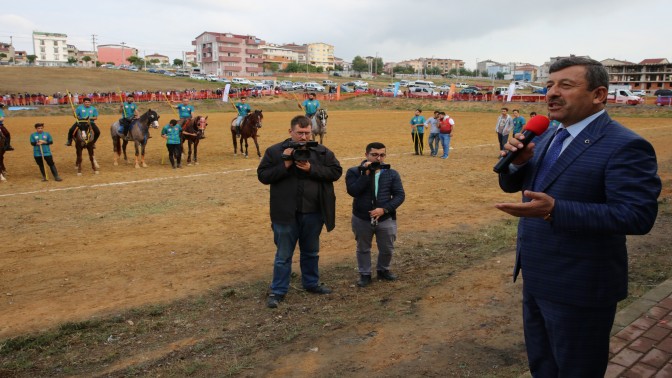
[
  {"x": 310, "y": 106},
  {"x": 3, "y": 129},
  {"x": 86, "y": 116},
  {"x": 243, "y": 110},
  {"x": 185, "y": 111},
  {"x": 129, "y": 112}
]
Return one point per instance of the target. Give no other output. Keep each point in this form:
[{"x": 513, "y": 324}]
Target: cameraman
[
  {"x": 301, "y": 175},
  {"x": 377, "y": 192}
]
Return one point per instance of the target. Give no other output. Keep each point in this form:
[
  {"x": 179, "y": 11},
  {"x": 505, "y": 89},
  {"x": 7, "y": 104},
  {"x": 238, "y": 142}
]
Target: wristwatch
[{"x": 386, "y": 211}]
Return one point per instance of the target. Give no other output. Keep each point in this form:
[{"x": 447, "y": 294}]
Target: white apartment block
[
  {"x": 321, "y": 55},
  {"x": 51, "y": 49}
]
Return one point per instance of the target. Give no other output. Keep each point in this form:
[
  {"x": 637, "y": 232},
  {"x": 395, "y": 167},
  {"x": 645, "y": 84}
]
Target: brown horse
[
  {"x": 248, "y": 129},
  {"x": 84, "y": 140},
  {"x": 193, "y": 131},
  {"x": 320, "y": 124},
  {"x": 3, "y": 170}
]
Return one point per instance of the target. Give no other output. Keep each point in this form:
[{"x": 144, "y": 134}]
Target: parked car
[
  {"x": 359, "y": 83},
  {"x": 469, "y": 91},
  {"x": 313, "y": 87},
  {"x": 224, "y": 80},
  {"x": 346, "y": 89},
  {"x": 663, "y": 92},
  {"x": 328, "y": 82},
  {"x": 240, "y": 80},
  {"x": 168, "y": 73},
  {"x": 297, "y": 86},
  {"x": 624, "y": 96},
  {"x": 287, "y": 86},
  {"x": 664, "y": 100},
  {"x": 421, "y": 92}
]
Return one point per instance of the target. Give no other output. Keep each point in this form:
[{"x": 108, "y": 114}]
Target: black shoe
[
  {"x": 364, "y": 280},
  {"x": 386, "y": 275},
  {"x": 9, "y": 148},
  {"x": 273, "y": 300},
  {"x": 69, "y": 143},
  {"x": 44, "y": 179},
  {"x": 319, "y": 289}
]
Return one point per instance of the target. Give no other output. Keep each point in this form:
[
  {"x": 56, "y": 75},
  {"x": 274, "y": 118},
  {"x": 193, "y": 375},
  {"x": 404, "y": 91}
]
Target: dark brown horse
[
  {"x": 3, "y": 171},
  {"x": 192, "y": 132},
  {"x": 84, "y": 141},
  {"x": 248, "y": 129}
]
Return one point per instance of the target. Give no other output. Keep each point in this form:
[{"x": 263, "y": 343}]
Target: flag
[
  {"x": 451, "y": 92},
  {"x": 225, "y": 95},
  {"x": 338, "y": 93},
  {"x": 396, "y": 88},
  {"x": 512, "y": 90}
]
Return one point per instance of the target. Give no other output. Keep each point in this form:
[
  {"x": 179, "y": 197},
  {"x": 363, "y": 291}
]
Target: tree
[
  {"x": 31, "y": 59},
  {"x": 72, "y": 60},
  {"x": 403, "y": 69},
  {"x": 360, "y": 64},
  {"x": 154, "y": 61},
  {"x": 433, "y": 71},
  {"x": 136, "y": 61},
  {"x": 178, "y": 62},
  {"x": 500, "y": 75},
  {"x": 98, "y": 63},
  {"x": 338, "y": 67},
  {"x": 377, "y": 65},
  {"x": 86, "y": 59},
  {"x": 271, "y": 66},
  {"x": 3, "y": 56}
]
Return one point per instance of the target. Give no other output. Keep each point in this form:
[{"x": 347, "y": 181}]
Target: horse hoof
[
  {"x": 79, "y": 173},
  {"x": 116, "y": 164},
  {"x": 246, "y": 156},
  {"x": 2, "y": 178},
  {"x": 189, "y": 164},
  {"x": 137, "y": 166},
  {"x": 96, "y": 172},
  {"x": 144, "y": 165},
  {"x": 196, "y": 163}
]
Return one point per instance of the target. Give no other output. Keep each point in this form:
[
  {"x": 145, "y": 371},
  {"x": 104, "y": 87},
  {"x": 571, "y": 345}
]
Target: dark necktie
[{"x": 551, "y": 156}]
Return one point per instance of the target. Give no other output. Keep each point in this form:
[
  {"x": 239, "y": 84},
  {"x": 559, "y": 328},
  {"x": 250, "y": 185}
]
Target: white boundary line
[{"x": 156, "y": 179}]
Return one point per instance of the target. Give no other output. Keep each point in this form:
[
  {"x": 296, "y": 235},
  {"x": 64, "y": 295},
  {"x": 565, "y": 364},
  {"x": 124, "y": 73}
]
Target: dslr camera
[
  {"x": 374, "y": 167},
  {"x": 301, "y": 150}
]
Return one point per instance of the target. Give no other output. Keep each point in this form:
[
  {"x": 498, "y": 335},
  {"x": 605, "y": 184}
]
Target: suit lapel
[{"x": 585, "y": 140}]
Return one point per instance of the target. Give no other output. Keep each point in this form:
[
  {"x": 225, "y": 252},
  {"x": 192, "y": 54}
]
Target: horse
[
  {"x": 320, "y": 124},
  {"x": 139, "y": 132},
  {"x": 192, "y": 132},
  {"x": 84, "y": 140},
  {"x": 3, "y": 170},
  {"x": 248, "y": 129}
]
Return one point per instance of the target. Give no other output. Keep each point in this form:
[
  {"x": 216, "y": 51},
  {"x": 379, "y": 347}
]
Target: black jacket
[
  {"x": 324, "y": 168},
  {"x": 390, "y": 192}
]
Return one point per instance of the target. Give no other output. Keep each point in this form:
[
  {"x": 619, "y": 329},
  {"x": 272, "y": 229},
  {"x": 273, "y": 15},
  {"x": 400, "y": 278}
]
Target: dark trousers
[
  {"x": 502, "y": 139},
  {"x": 5, "y": 132},
  {"x": 83, "y": 126},
  {"x": 174, "y": 153},
  {"x": 418, "y": 142},
  {"x": 50, "y": 162},
  {"x": 564, "y": 340}
]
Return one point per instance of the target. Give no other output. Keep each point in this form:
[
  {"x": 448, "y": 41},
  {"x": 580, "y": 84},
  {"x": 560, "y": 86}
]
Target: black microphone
[{"x": 537, "y": 126}]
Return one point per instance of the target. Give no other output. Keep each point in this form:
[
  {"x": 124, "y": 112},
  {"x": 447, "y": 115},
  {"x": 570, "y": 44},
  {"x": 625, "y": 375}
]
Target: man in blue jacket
[
  {"x": 587, "y": 184},
  {"x": 377, "y": 193}
]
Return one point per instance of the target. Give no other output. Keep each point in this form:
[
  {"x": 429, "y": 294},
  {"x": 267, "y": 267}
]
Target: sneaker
[
  {"x": 444, "y": 157},
  {"x": 69, "y": 143},
  {"x": 274, "y": 300},
  {"x": 364, "y": 280},
  {"x": 319, "y": 289},
  {"x": 386, "y": 275},
  {"x": 58, "y": 179}
]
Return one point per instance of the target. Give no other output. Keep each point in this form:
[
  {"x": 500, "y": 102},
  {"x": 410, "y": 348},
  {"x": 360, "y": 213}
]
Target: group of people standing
[{"x": 440, "y": 129}]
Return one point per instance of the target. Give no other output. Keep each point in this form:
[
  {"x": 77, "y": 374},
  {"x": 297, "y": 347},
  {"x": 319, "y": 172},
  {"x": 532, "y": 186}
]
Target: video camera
[
  {"x": 374, "y": 167},
  {"x": 301, "y": 150}
]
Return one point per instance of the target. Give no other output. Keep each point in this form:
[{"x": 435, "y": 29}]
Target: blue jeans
[
  {"x": 433, "y": 142},
  {"x": 445, "y": 142},
  {"x": 306, "y": 230}
]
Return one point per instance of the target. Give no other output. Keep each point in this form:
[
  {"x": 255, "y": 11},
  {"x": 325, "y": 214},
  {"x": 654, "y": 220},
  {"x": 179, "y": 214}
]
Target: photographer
[
  {"x": 377, "y": 192},
  {"x": 301, "y": 175}
]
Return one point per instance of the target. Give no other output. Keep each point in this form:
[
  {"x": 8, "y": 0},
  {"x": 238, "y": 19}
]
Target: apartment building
[
  {"x": 648, "y": 75},
  {"x": 421, "y": 64},
  {"x": 227, "y": 54},
  {"x": 116, "y": 54},
  {"x": 50, "y": 49},
  {"x": 274, "y": 53},
  {"x": 157, "y": 59},
  {"x": 320, "y": 55}
]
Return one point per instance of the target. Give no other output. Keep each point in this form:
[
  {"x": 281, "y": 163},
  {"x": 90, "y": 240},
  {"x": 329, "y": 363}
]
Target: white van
[
  {"x": 424, "y": 83},
  {"x": 240, "y": 80},
  {"x": 403, "y": 83},
  {"x": 312, "y": 86}
]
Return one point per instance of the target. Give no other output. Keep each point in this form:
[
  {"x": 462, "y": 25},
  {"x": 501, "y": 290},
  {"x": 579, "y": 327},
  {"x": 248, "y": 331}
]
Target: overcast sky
[{"x": 503, "y": 31}]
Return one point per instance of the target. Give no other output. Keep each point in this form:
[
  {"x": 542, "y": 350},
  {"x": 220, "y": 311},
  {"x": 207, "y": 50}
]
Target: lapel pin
[{"x": 587, "y": 141}]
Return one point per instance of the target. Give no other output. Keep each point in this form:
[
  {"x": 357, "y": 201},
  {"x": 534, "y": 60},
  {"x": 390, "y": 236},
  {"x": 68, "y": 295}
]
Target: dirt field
[{"x": 96, "y": 244}]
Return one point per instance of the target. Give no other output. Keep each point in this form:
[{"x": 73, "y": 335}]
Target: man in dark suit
[{"x": 588, "y": 183}]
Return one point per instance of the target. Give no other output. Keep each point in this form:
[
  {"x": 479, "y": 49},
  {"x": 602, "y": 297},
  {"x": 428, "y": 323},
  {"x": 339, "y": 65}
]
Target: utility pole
[
  {"x": 123, "y": 58},
  {"x": 95, "y": 54}
]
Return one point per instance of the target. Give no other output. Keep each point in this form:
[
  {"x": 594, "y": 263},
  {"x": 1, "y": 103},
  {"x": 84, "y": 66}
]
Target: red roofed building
[{"x": 227, "y": 54}]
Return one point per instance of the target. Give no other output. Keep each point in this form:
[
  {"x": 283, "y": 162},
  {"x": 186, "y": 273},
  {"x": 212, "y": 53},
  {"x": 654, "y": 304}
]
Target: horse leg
[
  {"x": 235, "y": 143},
  {"x": 78, "y": 162},
  {"x": 123, "y": 147},
  {"x": 196, "y": 152},
  {"x": 142, "y": 155},
  {"x": 241, "y": 146},
  {"x": 256, "y": 144},
  {"x": 94, "y": 163},
  {"x": 189, "y": 142},
  {"x": 137, "y": 155}
]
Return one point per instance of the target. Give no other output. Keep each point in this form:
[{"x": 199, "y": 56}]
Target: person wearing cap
[
  {"x": 86, "y": 115},
  {"x": 41, "y": 140},
  {"x": 129, "y": 112},
  {"x": 3, "y": 129},
  {"x": 243, "y": 110}
]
